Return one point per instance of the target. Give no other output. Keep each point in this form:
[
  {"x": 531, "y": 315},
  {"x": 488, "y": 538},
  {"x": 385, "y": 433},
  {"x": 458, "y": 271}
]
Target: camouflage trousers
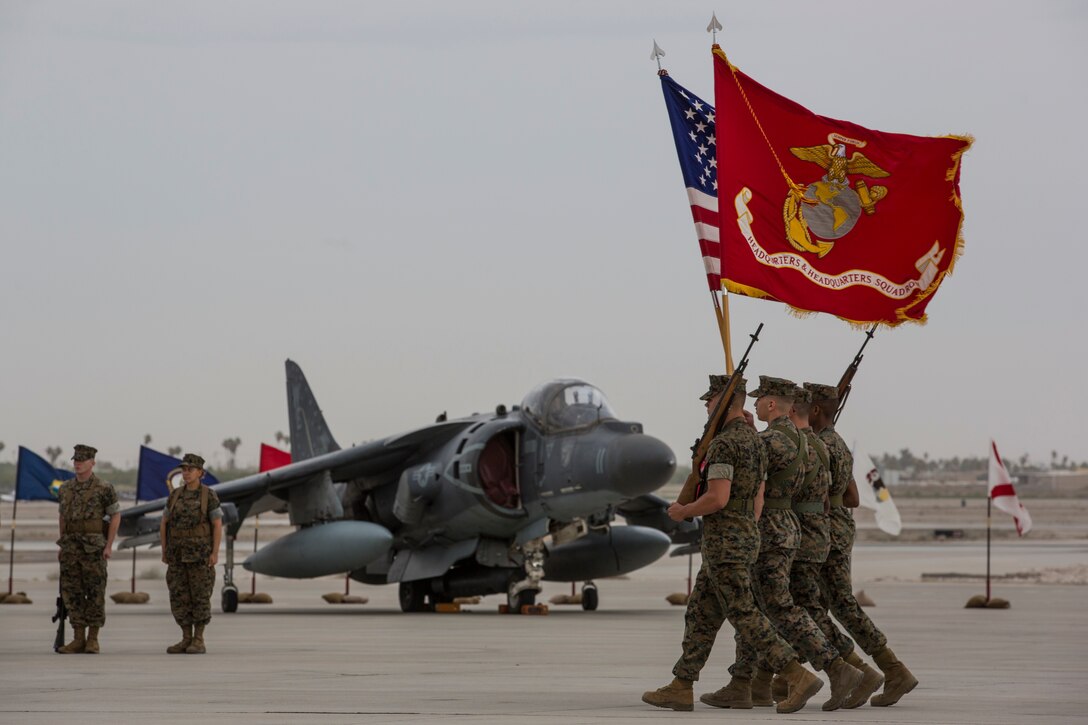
[
  {"x": 805, "y": 586},
  {"x": 83, "y": 586},
  {"x": 839, "y": 595},
  {"x": 771, "y": 575},
  {"x": 191, "y": 588},
  {"x": 722, "y": 592}
]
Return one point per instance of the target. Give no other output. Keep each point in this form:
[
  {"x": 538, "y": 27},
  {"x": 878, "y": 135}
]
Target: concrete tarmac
[{"x": 302, "y": 660}]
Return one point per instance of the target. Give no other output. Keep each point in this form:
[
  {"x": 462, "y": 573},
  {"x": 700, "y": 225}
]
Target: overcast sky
[{"x": 437, "y": 206}]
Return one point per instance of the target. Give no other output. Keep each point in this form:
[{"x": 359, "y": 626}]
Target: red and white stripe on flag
[
  {"x": 1004, "y": 495},
  {"x": 704, "y": 211}
]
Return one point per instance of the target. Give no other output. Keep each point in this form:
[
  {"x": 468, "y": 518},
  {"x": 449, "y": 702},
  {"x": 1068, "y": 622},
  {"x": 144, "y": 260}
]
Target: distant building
[{"x": 1065, "y": 482}]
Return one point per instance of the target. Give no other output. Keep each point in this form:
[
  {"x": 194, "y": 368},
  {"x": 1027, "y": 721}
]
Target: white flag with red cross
[{"x": 1004, "y": 495}]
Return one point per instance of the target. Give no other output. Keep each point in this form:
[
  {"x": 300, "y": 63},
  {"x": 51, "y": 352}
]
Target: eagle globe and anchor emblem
[{"x": 829, "y": 208}]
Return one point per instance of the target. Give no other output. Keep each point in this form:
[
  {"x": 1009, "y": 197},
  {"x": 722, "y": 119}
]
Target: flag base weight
[{"x": 979, "y": 601}]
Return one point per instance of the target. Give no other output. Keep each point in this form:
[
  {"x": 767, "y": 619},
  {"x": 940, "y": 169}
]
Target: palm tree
[
  {"x": 231, "y": 444},
  {"x": 53, "y": 452},
  {"x": 147, "y": 439},
  {"x": 174, "y": 451},
  {"x": 283, "y": 439}
]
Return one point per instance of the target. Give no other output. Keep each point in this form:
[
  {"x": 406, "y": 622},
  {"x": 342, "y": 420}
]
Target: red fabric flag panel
[{"x": 829, "y": 216}]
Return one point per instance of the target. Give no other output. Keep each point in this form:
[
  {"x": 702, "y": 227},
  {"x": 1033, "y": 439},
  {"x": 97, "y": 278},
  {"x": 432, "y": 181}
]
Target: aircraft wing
[{"x": 265, "y": 491}]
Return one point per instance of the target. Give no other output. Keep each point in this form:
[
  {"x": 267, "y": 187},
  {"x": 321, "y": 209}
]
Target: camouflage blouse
[
  {"x": 842, "y": 472},
  {"x": 731, "y": 536},
  {"x": 184, "y": 516},
  {"x": 779, "y": 528},
  {"x": 815, "y": 526},
  {"x": 90, "y": 500}
]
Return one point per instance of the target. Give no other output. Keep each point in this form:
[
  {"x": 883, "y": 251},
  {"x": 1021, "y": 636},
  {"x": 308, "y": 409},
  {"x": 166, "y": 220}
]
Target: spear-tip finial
[
  {"x": 657, "y": 55},
  {"x": 713, "y": 27}
]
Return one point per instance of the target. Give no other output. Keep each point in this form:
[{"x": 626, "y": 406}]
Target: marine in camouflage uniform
[
  {"x": 86, "y": 542},
  {"x": 190, "y": 534},
  {"x": 780, "y": 538},
  {"x": 835, "y": 571},
  {"x": 735, "y": 467}
]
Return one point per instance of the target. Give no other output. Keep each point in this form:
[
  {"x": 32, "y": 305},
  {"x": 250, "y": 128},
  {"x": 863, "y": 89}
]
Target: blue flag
[
  {"x": 156, "y": 470},
  {"x": 36, "y": 479}
]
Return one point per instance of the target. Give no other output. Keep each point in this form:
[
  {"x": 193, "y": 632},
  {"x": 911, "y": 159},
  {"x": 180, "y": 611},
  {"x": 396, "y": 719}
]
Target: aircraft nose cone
[{"x": 639, "y": 464}]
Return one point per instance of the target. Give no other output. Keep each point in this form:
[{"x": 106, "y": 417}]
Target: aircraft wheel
[
  {"x": 229, "y": 599},
  {"x": 524, "y": 598},
  {"x": 413, "y": 597},
  {"x": 589, "y": 597}
]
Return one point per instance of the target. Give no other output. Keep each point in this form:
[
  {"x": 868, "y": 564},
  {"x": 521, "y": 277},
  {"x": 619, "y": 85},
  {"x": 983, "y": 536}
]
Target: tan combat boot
[
  {"x": 677, "y": 695},
  {"x": 780, "y": 689},
  {"x": 91, "y": 647},
  {"x": 196, "y": 647},
  {"x": 76, "y": 645},
  {"x": 870, "y": 682},
  {"x": 761, "y": 688},
  {"x": 186, "y": 640},
  {"x": 803, "y": 685},
  {"x": 898, "y": 680},
  {"x": 736, "y": 695},
  {"x": 844, "y": 678}
]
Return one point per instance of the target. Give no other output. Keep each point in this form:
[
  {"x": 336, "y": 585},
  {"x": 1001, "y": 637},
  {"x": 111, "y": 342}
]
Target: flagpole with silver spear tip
[
  {"x": 721, "y": 317},
  {"x": 721, "y": 310}
]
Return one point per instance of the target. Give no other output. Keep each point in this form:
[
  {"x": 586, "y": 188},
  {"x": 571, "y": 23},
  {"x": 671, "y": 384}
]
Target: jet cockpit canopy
[{"x": 566, "y": 404}]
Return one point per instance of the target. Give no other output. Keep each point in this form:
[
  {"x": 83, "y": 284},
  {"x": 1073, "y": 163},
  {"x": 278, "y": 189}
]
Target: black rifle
[
  {"x": 691, "y": 489},
  {"x": 848, "y": 376},
  {"x": 59, "y": 617}
]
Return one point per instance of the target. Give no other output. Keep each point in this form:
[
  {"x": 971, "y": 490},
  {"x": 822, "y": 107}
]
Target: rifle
[
  {"x": 59, "y": 617},
  {"x": 848, "y": 376},
  {"x": 690, "y": 490}
]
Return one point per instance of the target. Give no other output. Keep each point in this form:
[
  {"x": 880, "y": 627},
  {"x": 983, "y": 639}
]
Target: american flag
[{"x": 692, "y": 122}]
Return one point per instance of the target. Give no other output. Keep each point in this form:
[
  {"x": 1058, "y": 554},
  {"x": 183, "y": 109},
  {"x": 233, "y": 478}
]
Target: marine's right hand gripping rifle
[
  {"x": 59, "y": 617},
  {"x": 848, "y": 376},
  {"x": 713, "y": 426}
]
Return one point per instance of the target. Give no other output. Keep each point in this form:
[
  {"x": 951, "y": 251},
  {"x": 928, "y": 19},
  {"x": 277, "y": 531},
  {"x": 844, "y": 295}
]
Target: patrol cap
[
  {"x": 800, "y": 395},
  {"x": 822, "y": 392},
  {"x": 718, "y": 384},
  {"x": 773, "y": 386},
  {"x": 84, "y": 453},
  {"x": 192, "y": 459}
]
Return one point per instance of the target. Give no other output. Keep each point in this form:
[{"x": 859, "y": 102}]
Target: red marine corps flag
[{"x": 828, "y": 216}]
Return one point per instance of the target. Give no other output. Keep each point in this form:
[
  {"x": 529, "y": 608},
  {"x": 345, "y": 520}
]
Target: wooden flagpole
[{"x": 721, "y": 312}]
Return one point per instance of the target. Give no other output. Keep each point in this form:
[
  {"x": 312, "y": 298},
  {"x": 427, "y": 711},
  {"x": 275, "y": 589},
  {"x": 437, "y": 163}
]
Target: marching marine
[
  {"x": 780, "y": 538},
  {"x": 835, "y": 572},
  {"x": 86, "y": 543},
  {"x": 730, "y": 505},
  {"x": 190, "y": 534}
]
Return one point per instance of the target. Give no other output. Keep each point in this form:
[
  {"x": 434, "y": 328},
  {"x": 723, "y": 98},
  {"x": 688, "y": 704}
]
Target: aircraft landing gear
[
  {"x": 589, "y": 597},
  {"x": 523, "y": 592},
  {"x": 229, "y": 600},
  {"x": 413, "y": 596},
  {"x": 524, "y": 598}
]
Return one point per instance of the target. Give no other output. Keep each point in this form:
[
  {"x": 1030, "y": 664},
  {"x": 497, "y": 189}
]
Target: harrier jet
[{"x": 488, "y": 504}]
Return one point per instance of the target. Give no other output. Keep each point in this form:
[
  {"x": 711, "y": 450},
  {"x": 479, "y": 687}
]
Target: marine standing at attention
[
  {"x": 190, "y": 533},
  {"x": 780, "y": 538},
  {"x": 835, "y": 573},
  {"x": 730, "y": 505},
  {"x": 86, "y": 543}
]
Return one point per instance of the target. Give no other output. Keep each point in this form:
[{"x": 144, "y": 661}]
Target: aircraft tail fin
[{"x": 310, "y": 434}]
